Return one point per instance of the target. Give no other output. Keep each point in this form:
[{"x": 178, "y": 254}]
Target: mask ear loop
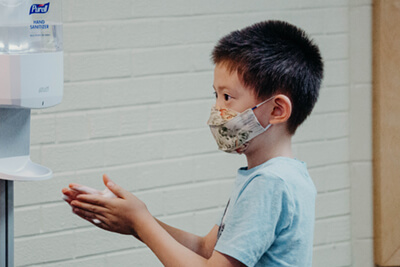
[
  {"x": 253, "y": 108},
  {"x": 266, "y": 128},
  {"x": 265, "y": 101}
]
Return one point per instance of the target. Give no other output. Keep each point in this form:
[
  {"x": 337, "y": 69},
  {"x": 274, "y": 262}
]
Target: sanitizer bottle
[{"x": 31, "y": 53}]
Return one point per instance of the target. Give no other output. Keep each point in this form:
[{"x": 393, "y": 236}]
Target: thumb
[{"x": 116, "y": 189}]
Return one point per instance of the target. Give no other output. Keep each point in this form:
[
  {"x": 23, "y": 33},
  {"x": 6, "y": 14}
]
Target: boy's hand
[
  {"x": 76, "y": 189},
  {"x": 121, "y": 214}
]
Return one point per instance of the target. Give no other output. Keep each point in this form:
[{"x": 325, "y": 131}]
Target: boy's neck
[{"x": 267, "y": 146}]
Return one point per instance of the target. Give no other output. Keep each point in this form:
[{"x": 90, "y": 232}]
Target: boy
[{"x": 266, "y": 81}]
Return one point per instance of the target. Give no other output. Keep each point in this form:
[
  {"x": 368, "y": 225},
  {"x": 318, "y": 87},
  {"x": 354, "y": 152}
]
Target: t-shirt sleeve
[{"x": 262, "y": 210}]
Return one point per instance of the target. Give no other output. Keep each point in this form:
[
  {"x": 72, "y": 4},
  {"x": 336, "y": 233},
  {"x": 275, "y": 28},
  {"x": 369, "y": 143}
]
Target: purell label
[{"x": 39, "y": 8}]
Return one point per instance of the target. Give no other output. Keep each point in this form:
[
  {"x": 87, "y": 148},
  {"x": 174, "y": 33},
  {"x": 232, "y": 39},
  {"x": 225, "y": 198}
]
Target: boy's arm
[
  {"x": 204, "y": 246},
  {"x": 172, "y": 253},
  {"x": 126, "y": 214}
]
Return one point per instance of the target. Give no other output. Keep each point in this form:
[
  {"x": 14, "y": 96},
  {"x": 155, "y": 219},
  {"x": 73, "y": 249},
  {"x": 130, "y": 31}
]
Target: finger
[
  {"x": 106, "y": 180},
  {"x": 66, "y": 199},
  {"x": 84, "y": 189},
  {"x": 90, "y": 217},
  {"x": 114, "y": 188},
  {"x": 74, "y": 185},
  {"x": 97, "y": 200},
  {"x": 65, "y": 190},
  {"x": 88, "y": 207},
  {"x": 84, "y": 214},
  {"x": 69, "y": 193},
  {"x": 97, "y": 222}
]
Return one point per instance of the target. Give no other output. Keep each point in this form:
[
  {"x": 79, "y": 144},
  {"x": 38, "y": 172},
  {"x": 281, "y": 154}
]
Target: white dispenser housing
[{"x": 31, "y": 76}]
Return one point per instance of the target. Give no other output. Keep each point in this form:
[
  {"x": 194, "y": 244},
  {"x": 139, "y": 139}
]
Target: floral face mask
[{"x": 232, "y": 130}]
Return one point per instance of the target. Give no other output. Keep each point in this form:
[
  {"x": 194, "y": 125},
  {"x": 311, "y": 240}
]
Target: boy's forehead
[{"x": 224, "y": 78}]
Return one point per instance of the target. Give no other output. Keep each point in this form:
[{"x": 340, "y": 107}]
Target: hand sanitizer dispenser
[{"x": 31, "y": 76}]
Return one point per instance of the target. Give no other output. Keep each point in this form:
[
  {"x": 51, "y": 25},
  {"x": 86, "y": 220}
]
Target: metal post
[
  {"x": 14, "y": 142},
  {"x": 6, "y": 223}
]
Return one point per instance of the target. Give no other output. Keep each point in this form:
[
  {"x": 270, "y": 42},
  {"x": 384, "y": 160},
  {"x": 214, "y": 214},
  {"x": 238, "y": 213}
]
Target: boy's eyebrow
[
  {"x": 232, "y": 91},
  {"x": 220, "y": 87}
]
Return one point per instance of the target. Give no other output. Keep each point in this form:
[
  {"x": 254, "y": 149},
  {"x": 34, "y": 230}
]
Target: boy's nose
[{"x": 219, "y": 104}]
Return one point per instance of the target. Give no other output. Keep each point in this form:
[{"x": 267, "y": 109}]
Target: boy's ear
[{"x": 282, "y": 109}]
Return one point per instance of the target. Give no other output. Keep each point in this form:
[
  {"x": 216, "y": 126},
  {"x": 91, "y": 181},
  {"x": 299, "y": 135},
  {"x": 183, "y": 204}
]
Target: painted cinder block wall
[{"x": 138, "y": 91}]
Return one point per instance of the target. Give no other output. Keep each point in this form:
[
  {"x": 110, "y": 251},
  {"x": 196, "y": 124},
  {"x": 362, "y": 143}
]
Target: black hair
[{"x": 273, "y": 57}]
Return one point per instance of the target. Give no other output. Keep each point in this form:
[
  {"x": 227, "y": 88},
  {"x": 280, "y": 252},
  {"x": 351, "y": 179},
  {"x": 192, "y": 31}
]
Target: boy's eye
[
  {"x": 215, "y": 94},
  {"x": 227, "y": 97}
]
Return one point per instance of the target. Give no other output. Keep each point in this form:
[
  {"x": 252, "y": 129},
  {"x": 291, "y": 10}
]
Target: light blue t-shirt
[{"x": 269, "y": 220}]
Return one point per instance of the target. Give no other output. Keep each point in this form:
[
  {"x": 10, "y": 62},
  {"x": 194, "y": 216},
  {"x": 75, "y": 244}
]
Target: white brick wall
[{"x": 138, "y": 89}]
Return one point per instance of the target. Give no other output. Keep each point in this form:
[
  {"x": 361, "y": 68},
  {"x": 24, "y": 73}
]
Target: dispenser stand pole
[
  {"x": 6, "y": 223},
  {"x": 14, "y": 142}
]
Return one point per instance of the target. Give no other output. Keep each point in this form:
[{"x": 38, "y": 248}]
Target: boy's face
[{"x": 230, "y": 92}]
